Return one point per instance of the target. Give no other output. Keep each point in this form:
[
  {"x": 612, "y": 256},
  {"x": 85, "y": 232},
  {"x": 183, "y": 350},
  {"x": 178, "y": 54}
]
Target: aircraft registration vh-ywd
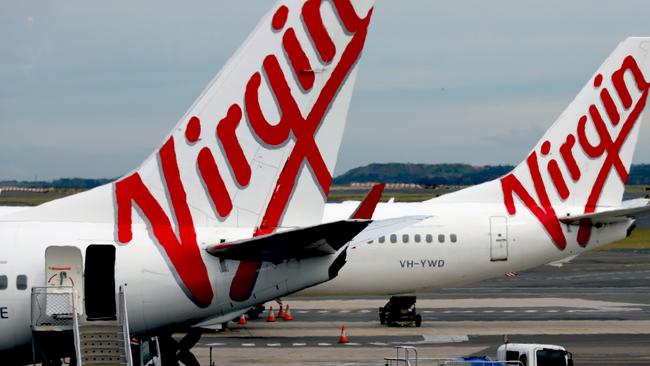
[
  {"x": 224, "y": 215},
  {"x": 563, "y": 199}
]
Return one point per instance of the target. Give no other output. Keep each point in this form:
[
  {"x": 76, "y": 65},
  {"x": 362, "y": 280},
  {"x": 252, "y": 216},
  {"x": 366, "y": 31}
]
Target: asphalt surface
[{"x": 597, "y": 306}]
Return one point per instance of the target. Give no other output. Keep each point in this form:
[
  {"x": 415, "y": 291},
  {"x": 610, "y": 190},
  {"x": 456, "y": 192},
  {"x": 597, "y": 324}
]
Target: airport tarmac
[{"x": 598, "y": 306}]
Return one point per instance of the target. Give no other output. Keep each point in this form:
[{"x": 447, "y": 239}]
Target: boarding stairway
[{"x": 55, "y": 320}]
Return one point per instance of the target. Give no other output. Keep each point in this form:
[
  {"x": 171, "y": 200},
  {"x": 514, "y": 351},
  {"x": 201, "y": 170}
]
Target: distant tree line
[
  {"x": 424, "y": 174},
  {"x": 63, "y": 183},
  {"x": 449, "y": 174}
]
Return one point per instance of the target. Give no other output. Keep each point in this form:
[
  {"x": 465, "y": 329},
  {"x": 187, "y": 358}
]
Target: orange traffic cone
[
  {"x": 344, "y": 335},
  {"x": 271, "y": 317},
  {"x": 287, "y": 314},
  {"x": 242, "y": 319},
  {"x": 281, "y": 313}
]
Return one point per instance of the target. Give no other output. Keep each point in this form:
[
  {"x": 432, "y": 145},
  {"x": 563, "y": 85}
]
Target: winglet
[{"x": 367, "y": 206}]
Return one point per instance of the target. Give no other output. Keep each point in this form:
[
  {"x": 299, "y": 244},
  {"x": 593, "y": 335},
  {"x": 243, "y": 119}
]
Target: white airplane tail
[
  {"x": 582, "y": 162},
  {"x": 258, "y": 148},
  {"x": 259, "y": 145}
]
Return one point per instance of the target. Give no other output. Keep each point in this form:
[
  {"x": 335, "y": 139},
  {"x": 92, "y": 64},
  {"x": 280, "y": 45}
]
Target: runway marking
[
  {"x": 508, "y": 311},
  {"x": 298, "y": 344},
  {"x": 273, "y": 344},
  {"x": 428, "y": 311},
  {"x": 352, "y": 344},
  {"x": 364, "y": 311},
  {"x": 531, "y": 311},
  {"x": 378, "y": 344},
  {"x": 302, "y": 311},
  {"x": 215, "y": 344},
  {"x": 323, "y": 311},
  {"x": 488, "y": 311},
  {"x": 551, "y": 311},
  {"x": 324, "y": 344},
  {"x": 248, "y": 344},
  {"x": 344, "y": 311}
]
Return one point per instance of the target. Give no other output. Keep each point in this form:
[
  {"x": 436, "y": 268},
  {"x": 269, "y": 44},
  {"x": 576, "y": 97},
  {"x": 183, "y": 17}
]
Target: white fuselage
[
  {"x": 154, "y": 298},
  {"x": 463, "y": 248}
]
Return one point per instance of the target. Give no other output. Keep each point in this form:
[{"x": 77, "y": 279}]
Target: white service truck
[{"x": 532, "y": 354}]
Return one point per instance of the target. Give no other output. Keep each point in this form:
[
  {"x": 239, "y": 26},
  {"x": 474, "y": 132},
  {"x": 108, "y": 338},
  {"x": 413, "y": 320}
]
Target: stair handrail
[
  {"x": 124, "y": 319},
  {"x": 75, "y": 328}
]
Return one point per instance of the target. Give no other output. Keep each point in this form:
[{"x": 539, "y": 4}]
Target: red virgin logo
[
  {"x": 608, "y": 147},
  {"x": 180, "y": 248}
]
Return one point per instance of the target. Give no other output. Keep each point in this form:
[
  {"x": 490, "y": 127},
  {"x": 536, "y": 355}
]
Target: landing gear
[
  {"x": 173, "y": 352},
  {"x": 400, "y": 311}
]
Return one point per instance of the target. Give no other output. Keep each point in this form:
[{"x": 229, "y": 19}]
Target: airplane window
[
  {"x": 429, "y": 238},
  {"x": 382, "y": 239},
  {"x": 405, "y": 238},
  {"x": 441, "y": 238},
  {"x": 453, "y": 238},
  {"x": 21, "y": 282},
  {"x": 393, "y": 238},
  {"x": 3, "y": 282},
  {"x": 416, "y": 238}
]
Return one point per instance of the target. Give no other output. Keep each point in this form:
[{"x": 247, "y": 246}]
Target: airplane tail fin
[
  {"x": 258, "y": 147},
  {"x": 582, "y": 162}
]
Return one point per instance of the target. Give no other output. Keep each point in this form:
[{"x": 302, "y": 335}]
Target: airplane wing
[
  {"x": 367, "y": 206},
  {"x": 631, "y": 208},
  {"x": 312, "y": 241}
]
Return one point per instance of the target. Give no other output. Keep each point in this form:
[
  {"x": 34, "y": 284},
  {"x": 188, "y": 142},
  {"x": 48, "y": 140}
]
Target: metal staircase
[{"x": 96, "y": 342}]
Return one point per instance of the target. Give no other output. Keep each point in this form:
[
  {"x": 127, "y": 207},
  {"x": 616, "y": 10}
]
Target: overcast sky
[{"x": 90, "y": 88}]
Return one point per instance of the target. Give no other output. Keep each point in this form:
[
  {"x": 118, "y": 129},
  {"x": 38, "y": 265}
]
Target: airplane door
[
  {"x": 498, "y": 238},
  {"x": 99, "y": 278},
  {"x": 63, "y": 269}
]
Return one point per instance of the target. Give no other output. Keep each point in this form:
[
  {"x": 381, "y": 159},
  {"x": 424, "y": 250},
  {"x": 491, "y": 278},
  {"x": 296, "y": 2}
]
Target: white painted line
[
  {"x": 298, "y": 344},
  {"x": 428, "y": 311},
  {"x": 215, "y": 344},
  {"x": 352, "y": 344},
  {"x": 508, "y": 311},
  {"x": 273, "y": 344},
  {"x": 378, "y": 344},
  {"x": 551, "y": 311},
  {"x": 344, "y": 311},
  {"x": 323, "y": 311},
  {"x": 531, "y": 311},
  {"x": 488, "y": 311},
  {"x": 324, "y": 344},
  {"x": 248, "y": 344},
  {"x": 302, "y": 311},
  {"x": 447, "y": 311},
  {"x": 364, "y": 311}
]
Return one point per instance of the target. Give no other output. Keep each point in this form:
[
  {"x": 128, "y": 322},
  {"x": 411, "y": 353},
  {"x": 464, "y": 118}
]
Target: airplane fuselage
[
  {"x": 154, "y": 298},
  {"x": 460, "y": 244}
]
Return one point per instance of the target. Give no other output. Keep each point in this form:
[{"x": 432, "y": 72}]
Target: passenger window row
[
  {"x": 21, "y": 282},
  {"x": 417, "y": 238}
]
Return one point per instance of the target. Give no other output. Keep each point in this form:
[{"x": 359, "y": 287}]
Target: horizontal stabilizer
[
  {"x": 312, "y": 241},
  {"x": 632, "y": 208}
]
